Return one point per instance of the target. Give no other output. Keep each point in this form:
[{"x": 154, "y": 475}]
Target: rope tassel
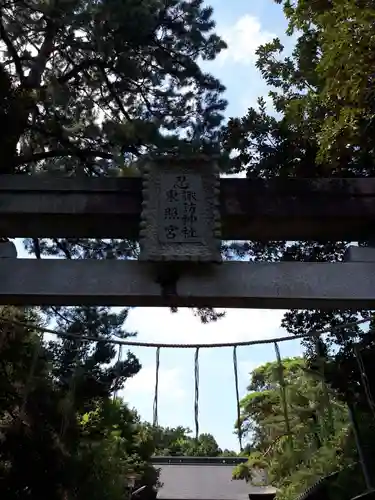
[
  {"x": 115, "y": 392},
  {"x": 283, "y": 392},
  {"x": 328, "y": 424},
  {"x": 235, "y": 369},
  {"x": 155, "y": 406},
  {"x": 196, "y": 392}
]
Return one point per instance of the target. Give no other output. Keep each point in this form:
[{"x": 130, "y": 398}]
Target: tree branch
[
  {"x": 11, "y": 49},
  {"x": 77, "y": 68},
  {"x": 40, "y": 62},
  {"x": 37, "y": 251},
  {"x": 5, "y": 86},
  {"x": 63, "y": 246},
  {"x": 61, "y": 153},
  {"x": 114, "y": 95}
]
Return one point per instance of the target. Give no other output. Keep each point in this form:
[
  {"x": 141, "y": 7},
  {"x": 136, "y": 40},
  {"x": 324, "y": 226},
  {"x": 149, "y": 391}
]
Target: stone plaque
[
  {"x": 181, "y": 202},
  {"x": 180, "y": 210}
]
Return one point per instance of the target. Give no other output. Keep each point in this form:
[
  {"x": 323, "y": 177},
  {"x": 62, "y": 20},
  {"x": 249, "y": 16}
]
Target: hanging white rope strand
[
  {"x": 196, "y": 392},
  {"x": 119, "y": 358},
  {"x": 235, "y": 369},
  {"x": 283, "y": 392},
  {"x": 328, "y": 424},
  {"x": 155, "y": 421}
]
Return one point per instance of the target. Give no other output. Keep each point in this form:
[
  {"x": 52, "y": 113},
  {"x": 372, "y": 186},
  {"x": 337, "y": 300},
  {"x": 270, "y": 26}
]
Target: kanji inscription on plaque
[
  {"x": 180, "y": 218},
  {"x": 180, "y": 206}
]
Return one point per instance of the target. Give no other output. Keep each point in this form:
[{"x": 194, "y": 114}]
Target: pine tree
[{"x": 90, "y": 86}]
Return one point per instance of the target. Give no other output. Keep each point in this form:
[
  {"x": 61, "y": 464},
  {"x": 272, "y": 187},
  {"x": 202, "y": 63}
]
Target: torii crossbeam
[
  {"x": 233, "y": 284},
  {"x": 279, "y": 209},
  {"x": 323, "y": 209}
]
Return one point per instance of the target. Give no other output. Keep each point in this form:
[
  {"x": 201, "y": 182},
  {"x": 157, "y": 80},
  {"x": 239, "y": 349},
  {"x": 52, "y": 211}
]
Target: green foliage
[
  {"x": 114, "y": 448},
  {"x": 342, "y": 31},
  {"x": 323, "y": 127},
  {"x": 179, "y": 442},
  {"x": 319, "y": 437},
  {"x": 244, "y": 470},
  {"x": 323, "y": 93},
  {"x": 30, "y": 417},
  {"x": 94, "y": 375},
  {"x": 87, "y": 88},
  {"x": 58, "y": 419},
  {"x": 105, "y": 82},
  {"x": 262, "y": 408}
]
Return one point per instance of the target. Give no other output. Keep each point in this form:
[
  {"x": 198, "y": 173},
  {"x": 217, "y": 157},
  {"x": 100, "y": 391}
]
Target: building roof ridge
[{"x": 184, "y": 460}]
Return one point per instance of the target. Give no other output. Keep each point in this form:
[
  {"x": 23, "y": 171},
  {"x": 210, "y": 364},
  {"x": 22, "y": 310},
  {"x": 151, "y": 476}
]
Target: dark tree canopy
[
  {"x": 90, "y": 86},
  {"x": 322, "y": 95},
  {"x": 59, "y": 424},
  {"x": 86, "y": 89},
  {"x": 304, "y": 441},
  {"x": 323, "y": 127}
]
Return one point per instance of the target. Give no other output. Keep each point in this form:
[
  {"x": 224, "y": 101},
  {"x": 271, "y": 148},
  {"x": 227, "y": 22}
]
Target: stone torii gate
[{"x": 228, "y": 209}]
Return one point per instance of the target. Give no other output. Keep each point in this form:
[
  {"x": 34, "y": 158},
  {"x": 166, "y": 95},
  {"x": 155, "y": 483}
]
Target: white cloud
[
  {"x": 143, "y": 384},
  {"x": 160, "y": 325},
  {"x": 243, "y": 38}
]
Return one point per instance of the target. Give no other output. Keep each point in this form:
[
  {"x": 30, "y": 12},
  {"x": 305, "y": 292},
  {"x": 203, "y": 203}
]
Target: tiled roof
[
  {"x": 316, "y": 488},
  {"x": 195, "y": 478}
]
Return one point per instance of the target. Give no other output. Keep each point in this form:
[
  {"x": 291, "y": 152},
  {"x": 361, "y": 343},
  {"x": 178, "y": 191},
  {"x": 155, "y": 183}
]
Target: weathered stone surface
[
  {"x": 282, "y": 285},
  {"x": 180, "y": 219},
  {"x": 288, "y": 209}
]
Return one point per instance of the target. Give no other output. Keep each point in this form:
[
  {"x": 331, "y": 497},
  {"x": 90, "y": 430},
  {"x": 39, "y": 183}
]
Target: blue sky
[{"x": 245, "y": 25}]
